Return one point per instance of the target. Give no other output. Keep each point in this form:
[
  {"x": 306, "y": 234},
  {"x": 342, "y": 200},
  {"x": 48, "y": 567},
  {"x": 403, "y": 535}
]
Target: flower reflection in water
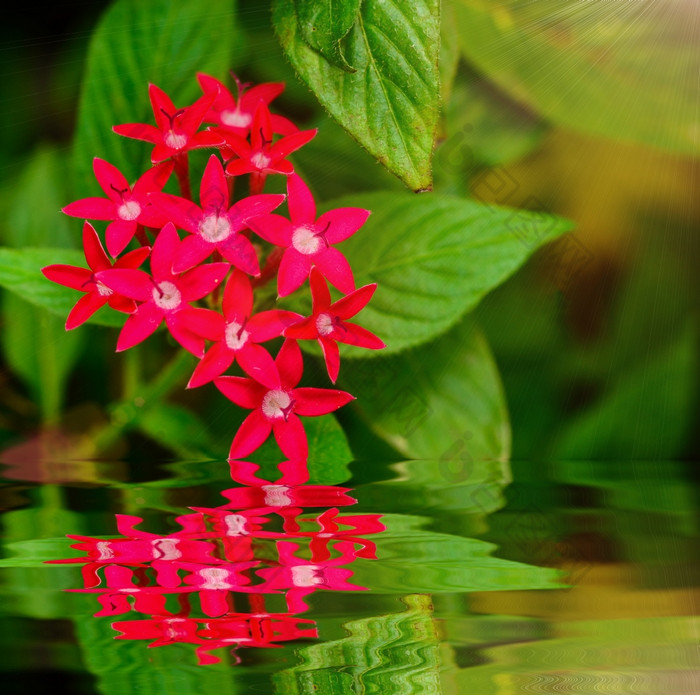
[{"x": 262, "y": 541}]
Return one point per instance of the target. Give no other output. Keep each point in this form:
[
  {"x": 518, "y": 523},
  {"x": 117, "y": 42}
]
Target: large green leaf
[
  {"x": 20, "y": 272},
  {"x": 137, "y": 43},
  {"x": 324, "y": 24},
  {"x": 394, "y": 654},
  {"x": 627, "y": 72},
  {"x": 443, "y": 399},
  {"x": 390, "y": 104},
  {"x": 433, "y": 258}
]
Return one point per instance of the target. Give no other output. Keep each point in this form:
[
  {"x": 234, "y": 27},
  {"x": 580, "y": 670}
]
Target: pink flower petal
[
  {"x": 271, "y": 324},
  {"x": 290, "y": 364},
  {"x": 282, "y": 125},
  {"x": 139, "y": 131},
  {"x": 320, "y": 294},
  {"x": 303, "y": 330},
  {"x": 118, "y": 235},
  {"x": 92, "y": 208},
  {"x": 245, "y": 392},
  {"x": 257, "y": 363},
  {"x": 294, "y": 269},
  {"x": 193, "y": 251},
  {"x": 254, "y": 430},
  {"x": 161, "y": 105},
  {"x": 123, "y": 304},
  {"x": 182, "y": 212},
  {"x": 200, "y": 281},
  {"x": 142, "y": 323},
  {"x": 302, "y": 208},
  {"x": 111, "y": 180},
  {"x": 194, "y": 115},
  {"x": 165, "y": 247},
  {"x": 238, "y": 297},
  {"x": 361, "y": 337},
  {"x": 179, "y": 329},
  {"x": 239, "y": 145},
  {"x": 254, "y": 206},
  {"x": 214, "y": 363},
  {"x": 331, "y": 356},
  {"x": 353, "y": 303},
  {"x": 202, "y": 322},
  {"x": 134, "y": 258},
  {"x": 94, "y": 252},
  {"x": 69, "y": 276},
  {"x": 161, "y": 152},
  {"x": 291, "y": 438},
  {"x": 129, "y": 282},
  {"x": 86, "y": 306},
  {"x": 265, "y": 92},
  {"x": 273, "y": 228},
  {"x": 261, "y": 130},
  {"x": 290, "y": 143},
  {"x": 153, "y": 179},
  {"x": 314, "y": 401},
  {"x": 213, "y": 191},
  {"x": 342, "y": 223},
  {"x": 335, "y": 269},
  {"x": 207, "y": 138},
  {"x": 238, "y": 167},
  {"x": 241, "y": 253}
]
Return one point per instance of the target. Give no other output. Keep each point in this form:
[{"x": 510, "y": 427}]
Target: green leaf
[
  {"x": 646, "y": 415},
  {"x": 178, "y": 429},
  {"x": 411, "y": 559},
  {"x": 20, "y": 272},
  {"x": 443, "y": 400},
  {"x": 323, "y": 25},
  {"x": 577, "y": 63},
  {"x": 390, "y": 104},
  {"x": 137, "y": 43},
  {"x": 433, "y": 258},
  {"x": 449, "y": 51},
  {"x": 394, "y": 654}
]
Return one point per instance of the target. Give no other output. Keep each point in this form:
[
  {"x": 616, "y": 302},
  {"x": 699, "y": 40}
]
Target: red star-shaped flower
[
  {"x": 215, "y": 226},
  {"x": 307, "y": 241},
  {"x": 261, "y": 156},
  {"x": 277, "y": 405},
  {"x": 127, "y": 207},
  {"x": 240, "y": 334},
  {"x": 84, "y": 280},
  {"x": 328, "y": 324},
  {"x": 166, "y": 296},
  {"x": 176, "y": 130},
  {"x": 236, "y": 116}
]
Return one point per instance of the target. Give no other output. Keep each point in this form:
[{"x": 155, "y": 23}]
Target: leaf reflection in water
[{"x": 231, "y": 557}]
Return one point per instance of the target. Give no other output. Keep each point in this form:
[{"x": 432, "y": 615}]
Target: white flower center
[
  {"x": 306, "y": 575},
  {"x": 276, "y": 404},
  {"x": 103, "y": 290},
  {"x": 305, "y": 241},
  {"x": 129, "y": 210},
  {"x": 214, "y": 228},
  {"x": 235, "y": 119},
  {"x": 324, "y": 324},
  {"x": 235, "y": 336},
  {"x": 235, "y": 525},
  {"x": 260, "y": 160},
  {"x": 167, "y": 296},
  {"x": 175, "y": 140},
  {"x": 104, "y": 548},
  {"x": 277, "y": 495},
  {"x": 166, "y": 549},
  {"x": 215, "y": 578}
]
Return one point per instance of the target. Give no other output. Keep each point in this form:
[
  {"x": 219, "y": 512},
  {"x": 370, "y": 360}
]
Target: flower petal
[
  {"x": 294, "y": 269},
  {"x": 254, "y": 430},
  {"x": 214, "y": 363},
  {"x": 134, "y": 258},
  {"x": 320, "y": 294},
  {"x": 335, "y": 269},
  {"x": 302, "y": 208},
  {"x": 200, "y": 281},
  {"x": 178, "y": 326},
  {"x": 69, "y": 276},
  {"x": 303, "y": 330},
  {"x": 290, "y": 143},
  {"x": 92, "y": 209},
  {"x": 353, "y": 303},
  {"x": 273, "y": 228},
  {"x": 118, "y": 235},
  {"x": 161, "y": 105},
  {"x": 238, "y": 297},
  {"x": 213, "y": 191},
  {"x": 139, "y": 131},
  {"x": 153, "y": 179},
  {"x": 257, "y": 363},
  {"x": 86, "y": 306},
  {"x": 342, "y": 223},
  {"x": 291, "y": 438},
  {"x": 193, "y": 251},
  {"x": 243, "y": 391},
  {"x": 361, "y": 337},
  {"x": 111, "y": 180},
  {"x": 194, "y": 115},
  {"x": 202, "y": 322},
  {"x": 164, "y": 249},
  {"x": 314, "y": 401},
  {"x": 182, "y": 212},
  {"x": 254, "y": 206},
  {"x": 94, "y": 251},
  {"x": 290, "y": 364},
  {"x": 271, "y": 324},
  {"x": 142, "y": 323},
  {"x": 129, "y": 282},
  {"x": 239, "y": 250},
  {"x": 331, "y": 356}
]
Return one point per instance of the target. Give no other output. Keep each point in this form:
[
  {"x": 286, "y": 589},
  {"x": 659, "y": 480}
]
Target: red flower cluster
[
  {"x": 229, "y": 558},
  {"x": 186, "y": 273}
]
